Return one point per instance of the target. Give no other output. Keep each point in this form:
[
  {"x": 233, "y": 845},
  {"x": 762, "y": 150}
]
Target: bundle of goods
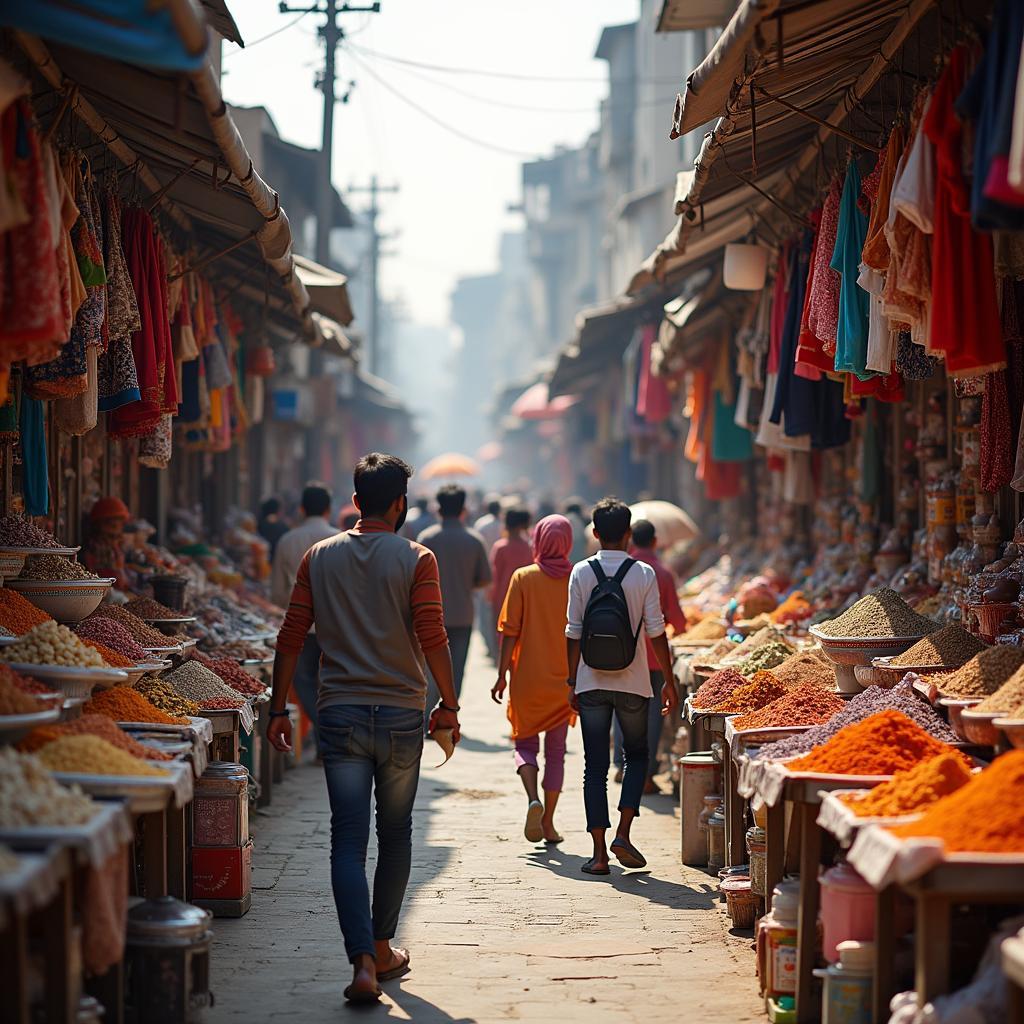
[
  {"x": 232, "y": 674},
  {"x": 51, "y": 644},
  {"x": 1008, "y": 700},
  {"x": 54, "y": 567},
  {"x": 92, "y": 725},
  {"x": 912, "y": 790},
  {"x": 13, "y": 699},
  {"x": 949, "y": 647},
  {"x": 756, "y": 597},
  {"x": 29, "y": 795},
  {"x": 881, "y": 614},
  {"x": 794, "y": 609},
  {"x": 147, "y": 608},
  {"x": 874, "y": 699},
  {"x": 981, "y": 817},
  {"x": 125, "y": 704},
  {"x": 882, "y": 744},
  {"x": 204, "y": 687},
  {"x": 90, "y": 755},
  {"x": 141, "y": 632},
  {"x": 16, "y": 532},
  {"x": 18, "y": 614},
  {"x": 808, "y": 704},
  {"x": 983, "y": 674},
  {"x": 163, "y": 696},
  {"x": 756, "y": 693},
  {"x": 112, "y": 635}
]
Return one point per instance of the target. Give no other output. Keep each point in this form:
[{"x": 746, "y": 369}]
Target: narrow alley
[{"x": 498, "y": 929}]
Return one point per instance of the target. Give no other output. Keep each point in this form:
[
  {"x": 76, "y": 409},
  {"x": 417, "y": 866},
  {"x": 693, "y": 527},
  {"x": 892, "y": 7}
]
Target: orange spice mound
[
  {"x": 113, "y": 658},
  {"x": 882, "y": 744},
  {"x": 123, "y": 704},
  {"x": 913, "y": 790},
  {"x": 19, "y": 614},
  {"x": 808, "y": 704},
  {"x": 93, "y": 725},
  {"x": 984, "y": 816},
  {"x": 762, "y": 689}
]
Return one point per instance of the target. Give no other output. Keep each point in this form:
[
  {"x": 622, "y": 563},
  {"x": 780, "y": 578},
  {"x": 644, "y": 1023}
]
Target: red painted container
[{"x": 221, "y": 873}]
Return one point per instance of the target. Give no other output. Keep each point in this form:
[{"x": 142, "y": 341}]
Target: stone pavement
[{"x": 499, "y": 930}]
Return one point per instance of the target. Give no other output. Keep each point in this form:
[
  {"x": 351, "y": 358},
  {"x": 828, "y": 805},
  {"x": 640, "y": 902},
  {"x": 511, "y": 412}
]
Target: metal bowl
[
  {"x": 956, "y": 708},
  {"x": 17, "y": 727},
  {"x": 979, "y": 726},
  {"x": 848, "y": 652},
  {"x": 68, "y": 601},
  {"x": 72, "y": 680},
  {"x": 11, "y": 563},
  {"x": 171, "y": 627},
  {"x": 1013, "y": 730}
]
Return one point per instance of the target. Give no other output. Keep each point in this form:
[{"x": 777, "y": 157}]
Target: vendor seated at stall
[{"x": 103, "y": 552}]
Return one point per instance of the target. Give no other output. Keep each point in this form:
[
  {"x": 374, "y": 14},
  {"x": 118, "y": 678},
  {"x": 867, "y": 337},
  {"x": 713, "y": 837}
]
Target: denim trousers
[
  {"x": 370, "y": 748},
  {"x": 654, "y": 720},
  {"x": 597, "y": 707},
  {"x": 306, "y": 682}
]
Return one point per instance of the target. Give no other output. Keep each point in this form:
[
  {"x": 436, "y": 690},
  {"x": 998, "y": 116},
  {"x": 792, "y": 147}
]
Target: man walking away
[
  {"x": 489, "y": 526},
  {"x": 512, "y": 552},
  {"x": 375, "y": 599},
  {"x": 291, "y": 549},
  {"x": 420, "y": 519},
  {"x": 611, "y": 598},
  {"x": 462, "y": 562},
  {"x": 574, "y": 513},
  {"x": 271, "y": 526},
  {"x": 645, "y": 544}
]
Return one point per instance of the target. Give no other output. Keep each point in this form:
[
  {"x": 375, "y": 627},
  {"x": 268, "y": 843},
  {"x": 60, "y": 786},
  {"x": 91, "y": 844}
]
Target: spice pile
[
  {"x": 716, "y": 688},
  {"x": 983, "y": 816},
  {"x": 950, "y": 647},
  {"x": 911, "y": 791},
  {"x": 166, "y": 698},
  {"x": 51, "y": 644},
  {"x": 983, "y": 674},
  {"x": 765, "y": 657},
  {"x": 808, "y": 704},
  {"x": 707, "y": 629},
  {"x": 1008, "y": 699},
  {"x": 197, "y": 683},
  {"x": 16, "y": 532},
  {"x": 54, "y": 567},
  {"x": 881, "y": 614},
  {"x": 761, "y": 690},
  {"x": 739, "y": 651},
  {"x": 232, "y": 674},
  {"x": 875, "y": 698},
  {"x": 222, "y": 619},
  {"x": 806, "y": 667},
  {"x": 112, "y": 658},
  {"x": 717, "y": 654},
  {"x": 92, "y": 725},
  {"x": 795, "y": 608},
  {"x": 147, "y": 608},
  {"x": 92, "y": 756},
  {"x": 25, "y": 683},
  {"x": 112, "y": 635},
  {"x": 124, "y": 704},
  {"x": 18, "y": 614},
  {"x": 14, "y": 700},
  {"x": 29, "y": 795},
  {"x": 141, "y": 632},
  {"x": 242, "y": 650},
  {"x": 882, "y": 744}
]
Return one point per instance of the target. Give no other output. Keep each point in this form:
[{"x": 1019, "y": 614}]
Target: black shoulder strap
[
  {"x": 598, "y": 571},
  {"x": 623, "y": 569}
]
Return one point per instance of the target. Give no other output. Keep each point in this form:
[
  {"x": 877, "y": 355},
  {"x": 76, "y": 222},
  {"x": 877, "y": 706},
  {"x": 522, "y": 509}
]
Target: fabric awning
[
  {"x": 334, "y": 340},
  {"x": 536, "y": 403},
  {"x": 221, "y": 20},
  {"x": 328, "y": 290},
  {"x": 686, "y": 15}
]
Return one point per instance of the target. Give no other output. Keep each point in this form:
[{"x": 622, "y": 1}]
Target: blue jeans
[
  {"x": 364, "y": 747},
  {"x": 654, "y": 719},
  {"x": 306, "y": 682},
  {"x": 596, "y": 710}
]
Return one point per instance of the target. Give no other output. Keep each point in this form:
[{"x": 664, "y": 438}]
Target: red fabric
[
  {"x": 667, "y": 595},
  {"x": 653, "y": 401},
  {"x": 965, "y": 314},
  {"x": 996, "y": 440},
  {"x": 811, "y": 359}
]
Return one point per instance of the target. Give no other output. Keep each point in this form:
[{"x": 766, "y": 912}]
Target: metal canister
[
  {"x": 167, "y": 961},
  {"x": 220, "y": 808},
  {"x": 698, "y": 772},
  {"x": 716, "y": 841}
]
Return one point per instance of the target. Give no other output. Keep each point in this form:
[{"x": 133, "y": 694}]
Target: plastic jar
[
  {"x": 846, "y": 996},
  {"x": 847, "y": 909},
  {"x": 716, "y": 840},
  {"x": 697, "y": 780},
  {"x": 757, "y": 844},
  {"x": 776, "y": 941}
]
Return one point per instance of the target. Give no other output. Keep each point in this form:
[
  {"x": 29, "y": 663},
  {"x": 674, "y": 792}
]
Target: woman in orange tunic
[{"x": 532, "y": 628}]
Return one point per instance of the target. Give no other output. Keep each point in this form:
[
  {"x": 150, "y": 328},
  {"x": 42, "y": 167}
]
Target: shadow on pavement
[
  {"x": 422, "y": 1010},
  {"x": 475, "y": 746}
]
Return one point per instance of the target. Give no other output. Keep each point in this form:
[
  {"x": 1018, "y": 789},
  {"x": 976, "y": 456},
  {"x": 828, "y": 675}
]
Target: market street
[{"x": 498, "y": 929}]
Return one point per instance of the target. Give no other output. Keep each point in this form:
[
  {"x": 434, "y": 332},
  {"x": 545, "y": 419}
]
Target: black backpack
[{"x": 608, "y": 643}]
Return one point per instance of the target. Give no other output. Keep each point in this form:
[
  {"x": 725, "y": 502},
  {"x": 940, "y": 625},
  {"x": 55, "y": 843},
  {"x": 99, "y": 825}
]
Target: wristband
[
  {"x": 444, "y": 707},
  {"x": 279, "y": 714},
  {"x": 571, "y": 683}
]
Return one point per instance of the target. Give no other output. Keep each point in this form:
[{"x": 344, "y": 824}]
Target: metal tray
[
  {"x": 72, "y": 680},
  {"x": 66, "y": 552},
  {"x": 16, "y": 727},
  {"x": 142, "y": 793}
]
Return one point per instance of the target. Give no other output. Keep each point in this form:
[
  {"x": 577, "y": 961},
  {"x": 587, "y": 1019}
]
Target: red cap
[{"x": 109, "y": 508}]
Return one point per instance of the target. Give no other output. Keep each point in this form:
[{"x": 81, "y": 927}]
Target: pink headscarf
[{"x": 552, "y": 542}]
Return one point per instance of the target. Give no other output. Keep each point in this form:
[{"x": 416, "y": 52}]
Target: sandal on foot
[
  {"x": 362, "y": 997},
  {"x": 401, "y": 968},
  {"x": 554, "y": 842},
  {"x": 533, "y": 829},
  {"x": 589, "y": 869},
  {"x": 627, "y": 854}
]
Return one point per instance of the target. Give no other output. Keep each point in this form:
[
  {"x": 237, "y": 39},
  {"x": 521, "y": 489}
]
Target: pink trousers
[{"x": 528, "y": 748}]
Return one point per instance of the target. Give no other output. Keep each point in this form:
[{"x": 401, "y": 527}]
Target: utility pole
[
  {"x": 376, "y": 361},
  {"x": 332, "y": 34}
]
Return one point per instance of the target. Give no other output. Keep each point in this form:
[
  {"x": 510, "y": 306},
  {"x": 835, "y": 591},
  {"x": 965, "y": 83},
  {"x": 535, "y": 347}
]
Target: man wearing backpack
[{"x": 612, "y": 598}]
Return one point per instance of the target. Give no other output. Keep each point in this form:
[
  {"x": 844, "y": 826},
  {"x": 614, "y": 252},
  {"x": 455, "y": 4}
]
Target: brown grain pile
[
  {"x": 881, "y": 614},
  {"x": 806, "y": 667},
  {"x": 1008, "y": 699},
  {"x": 707, "y": 629},
  {"x": 983, "y": 674},
  {"x": 950, "y": 647},
  {"x": 142, "y": 633}
]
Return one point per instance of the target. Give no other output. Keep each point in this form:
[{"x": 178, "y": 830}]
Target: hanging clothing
[
  {"x": 653, "y": 401},
  {"x": 823, "y": 308},
  {"x": 965, "y": 316},
  {"x": 996, "y": 435},
  {"x": 811, "y": 360},
  {"x": 118, "y": 379},
  {"x": 34, "y": 481}
]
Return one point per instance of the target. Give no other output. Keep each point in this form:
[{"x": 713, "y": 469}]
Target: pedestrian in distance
[
  {"x": 291, "y": 549},
  {"x": 271, "y": 526},
  {"x": 512, "y": 552},
  {"x": 612, "y": 597},
  {"x": 420, "y": 518},
  {"x": 490, "y": 527},
  {"x": 574, "y": 513},
  {"x": 532, "y": 629},
  {"x": 462, "y": 562},
  {"x": 375, "y": 599}
]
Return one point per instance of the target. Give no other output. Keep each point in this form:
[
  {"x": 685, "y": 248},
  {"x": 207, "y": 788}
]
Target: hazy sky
[{"x": 453, "y": 194}]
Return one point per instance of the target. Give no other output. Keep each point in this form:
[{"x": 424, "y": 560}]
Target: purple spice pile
[
  {"x": 872, "y": 700},
  {"x": 17, "y": 532}
]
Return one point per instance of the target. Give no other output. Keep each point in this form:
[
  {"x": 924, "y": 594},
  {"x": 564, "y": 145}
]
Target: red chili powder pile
[{"x": 808, "y": 704}]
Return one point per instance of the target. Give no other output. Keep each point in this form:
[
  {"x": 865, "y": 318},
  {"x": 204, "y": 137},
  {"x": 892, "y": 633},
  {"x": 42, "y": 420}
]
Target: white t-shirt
[{"x": 641, "y": 589}]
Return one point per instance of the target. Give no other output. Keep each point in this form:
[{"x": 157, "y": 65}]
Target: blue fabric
[
  {"x": 654, "y": 719},
  {"x": 370, "y": 748},
  {"x": 596, "y": 710},
  {"x": 34, "y": 481},
  {"x": 126, "y": 397},
  {"x": 729, "y": 443},
  {"x": 190, "y": 408},
  {"x": 126, "y": 30},
  {"x": 852, "y": 332}
]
